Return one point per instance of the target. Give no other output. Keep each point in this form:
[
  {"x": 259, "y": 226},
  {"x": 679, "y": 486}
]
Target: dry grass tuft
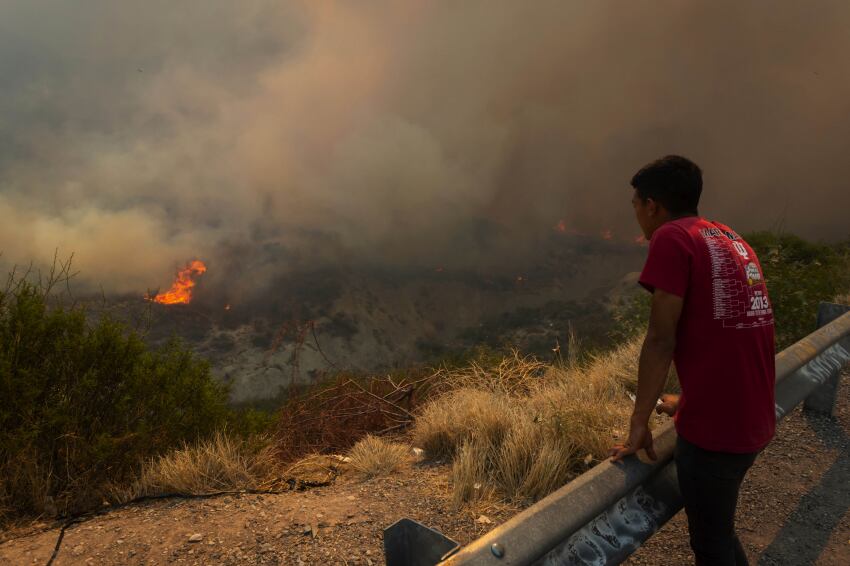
[
  {"x": 23, "y": 479},
  {"x": 523, "y": 429},
  {"x": 621, "y": 364},
  {"x": 535, "y": 459},
  {"x": 470, "y": 471},
  {"x": 373, "y": 456},
  {"x": 514, "y": 374},
  {"x": 220, "y": 463},
  {"x": 461, "y": 415}
]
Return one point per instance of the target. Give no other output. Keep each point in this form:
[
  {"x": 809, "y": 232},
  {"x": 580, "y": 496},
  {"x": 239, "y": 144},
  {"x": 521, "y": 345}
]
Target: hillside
[{"x": 311, "y": 324}]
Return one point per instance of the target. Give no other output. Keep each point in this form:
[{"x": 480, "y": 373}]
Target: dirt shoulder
[
  {"x": 794, "y": 509},
  {"x": 339, "y": 524}
]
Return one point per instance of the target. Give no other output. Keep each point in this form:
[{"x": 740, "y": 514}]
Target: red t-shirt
[{"x": 724, "y": 340}]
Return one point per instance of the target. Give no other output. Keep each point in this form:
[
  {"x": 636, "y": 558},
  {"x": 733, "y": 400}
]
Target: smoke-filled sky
[{"x": 139, "y": 135}]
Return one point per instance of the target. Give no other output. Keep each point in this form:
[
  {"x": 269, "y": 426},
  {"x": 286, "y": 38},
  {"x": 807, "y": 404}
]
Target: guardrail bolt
[{"x": 497, "y": 549}]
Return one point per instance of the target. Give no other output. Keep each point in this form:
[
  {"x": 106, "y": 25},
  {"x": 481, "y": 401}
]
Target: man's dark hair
[{"x": 673, "y": 181}]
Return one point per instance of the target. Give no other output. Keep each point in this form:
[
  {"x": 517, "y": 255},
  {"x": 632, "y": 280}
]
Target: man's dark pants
[{"x": 709, "y": 482}]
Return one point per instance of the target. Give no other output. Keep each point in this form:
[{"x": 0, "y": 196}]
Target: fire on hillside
[{"x": 181, "y": 289}]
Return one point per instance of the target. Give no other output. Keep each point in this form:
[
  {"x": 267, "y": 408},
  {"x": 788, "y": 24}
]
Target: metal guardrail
[{"x": 604, "y": 515}]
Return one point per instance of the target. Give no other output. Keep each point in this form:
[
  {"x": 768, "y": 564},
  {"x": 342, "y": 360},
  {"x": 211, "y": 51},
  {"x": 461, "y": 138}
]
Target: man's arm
[
  {"x": 657, "y": 352},
  {"x": 655, "y": 357}
]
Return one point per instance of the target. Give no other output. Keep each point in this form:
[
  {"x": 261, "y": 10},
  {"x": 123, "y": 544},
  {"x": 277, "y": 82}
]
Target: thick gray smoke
[{"x": 140, "y": 135}]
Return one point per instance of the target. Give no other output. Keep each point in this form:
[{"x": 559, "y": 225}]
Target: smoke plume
[{"x": 141, "y": 135}]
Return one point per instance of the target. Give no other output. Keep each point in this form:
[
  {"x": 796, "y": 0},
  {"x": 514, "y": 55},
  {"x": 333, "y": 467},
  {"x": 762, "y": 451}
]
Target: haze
[{"x": 140, "y": 135}]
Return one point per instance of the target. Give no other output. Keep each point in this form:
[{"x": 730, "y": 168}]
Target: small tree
[{"x": 83, "y": 402}]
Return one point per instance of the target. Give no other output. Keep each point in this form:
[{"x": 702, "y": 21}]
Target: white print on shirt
[
  {"x": 758, "y": 304},
  {"x": 742, "y": 251},
  {"x": 753, "y": 273},
  {"x": 738, "y": 292}
]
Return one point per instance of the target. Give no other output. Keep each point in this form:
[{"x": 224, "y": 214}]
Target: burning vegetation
[{"x": 181, "y": 289}]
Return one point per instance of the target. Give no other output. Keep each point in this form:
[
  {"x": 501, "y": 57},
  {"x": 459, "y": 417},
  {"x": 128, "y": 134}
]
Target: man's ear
[{"x": 651, "y": 206}]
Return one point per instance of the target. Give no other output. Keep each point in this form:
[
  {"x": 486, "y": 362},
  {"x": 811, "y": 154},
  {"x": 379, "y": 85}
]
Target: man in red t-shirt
[{"x": 711, "y": 315}]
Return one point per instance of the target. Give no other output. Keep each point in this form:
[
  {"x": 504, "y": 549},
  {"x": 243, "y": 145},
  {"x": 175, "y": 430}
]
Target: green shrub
[
  {"x": 83, "y": 403},
  {"x": 799, "y": 275},
  {"x": 631, "y": 316}
]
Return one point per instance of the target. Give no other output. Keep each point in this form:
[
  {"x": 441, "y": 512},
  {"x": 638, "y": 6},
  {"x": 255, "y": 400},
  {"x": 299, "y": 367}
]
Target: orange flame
[
  {"x": 563, "y": 228},
  {"x": 181, "y": 289}
]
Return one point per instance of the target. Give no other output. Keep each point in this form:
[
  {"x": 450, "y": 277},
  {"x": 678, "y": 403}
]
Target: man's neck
[{"x": 682, "y": 215}]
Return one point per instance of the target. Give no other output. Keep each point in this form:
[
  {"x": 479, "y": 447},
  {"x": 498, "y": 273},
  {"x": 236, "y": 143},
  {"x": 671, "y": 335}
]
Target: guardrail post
[
  {"x": 822, "y": 399},
  {"x": 409, "y": 543}
]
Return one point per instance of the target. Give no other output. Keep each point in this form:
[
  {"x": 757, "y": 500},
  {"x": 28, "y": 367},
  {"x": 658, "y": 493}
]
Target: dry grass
[
  {"x": 373, "y": 456},
  {"x": 22, "y": 479},
  {"x": 513, "y": 374},
  {"x": 621, "y": 364},
  {"x": 461, "y": 415},
  {"x": 221, "y": 463},
  {"x": 470, "y": 470},
  {"x": 515, "y": 431},
  {"x": 534, "y": 459},
  {"x": 523, "y": 429}
]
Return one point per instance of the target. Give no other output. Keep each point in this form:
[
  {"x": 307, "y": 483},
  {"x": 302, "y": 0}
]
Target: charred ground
[{"x": 300, "y": 326}]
